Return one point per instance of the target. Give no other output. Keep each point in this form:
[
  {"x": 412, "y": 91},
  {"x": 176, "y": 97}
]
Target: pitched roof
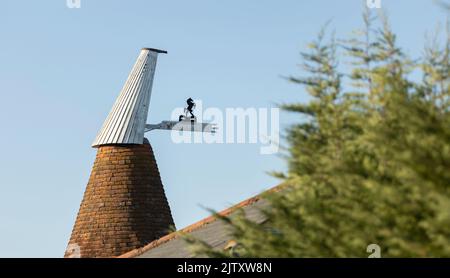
[
  {"x": 124, "y": 206},
  {"x": 209, "y": 230}
]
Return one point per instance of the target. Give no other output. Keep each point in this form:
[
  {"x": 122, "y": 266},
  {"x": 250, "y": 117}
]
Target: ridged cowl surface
[
  {"x": 126, "y": 121},
  {"x": 124, "y": 206}
]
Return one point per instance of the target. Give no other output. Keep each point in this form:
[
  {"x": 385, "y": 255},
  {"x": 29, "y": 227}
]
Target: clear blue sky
[{"x": 61, "y": 70}]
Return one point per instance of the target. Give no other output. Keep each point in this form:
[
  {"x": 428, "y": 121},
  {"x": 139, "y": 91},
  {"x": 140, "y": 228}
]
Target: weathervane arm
[{"x": 182, "y": 126}]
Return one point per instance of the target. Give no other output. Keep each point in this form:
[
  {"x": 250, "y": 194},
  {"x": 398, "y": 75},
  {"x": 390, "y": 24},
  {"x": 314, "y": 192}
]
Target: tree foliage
[{"x": 369, "y": 162}]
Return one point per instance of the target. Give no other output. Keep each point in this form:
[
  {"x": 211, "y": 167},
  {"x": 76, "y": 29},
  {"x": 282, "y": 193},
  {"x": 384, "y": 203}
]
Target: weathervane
[
  {"x": 190, "y": 108},
  {"x": 126, "y": 122}
]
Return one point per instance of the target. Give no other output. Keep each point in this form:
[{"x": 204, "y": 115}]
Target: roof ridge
[{"x": 139, "y": 251}]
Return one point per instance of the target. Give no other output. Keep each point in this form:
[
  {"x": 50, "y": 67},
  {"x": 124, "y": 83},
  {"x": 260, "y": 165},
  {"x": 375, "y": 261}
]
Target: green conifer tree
[{"x": 368, "y": 164}]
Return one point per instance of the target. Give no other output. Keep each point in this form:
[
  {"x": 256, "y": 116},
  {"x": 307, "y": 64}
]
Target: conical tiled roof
[{"x": 124, "y": 206}]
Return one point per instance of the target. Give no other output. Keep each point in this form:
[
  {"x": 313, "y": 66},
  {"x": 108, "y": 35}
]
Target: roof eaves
[{"x": 137, "y": 252}]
